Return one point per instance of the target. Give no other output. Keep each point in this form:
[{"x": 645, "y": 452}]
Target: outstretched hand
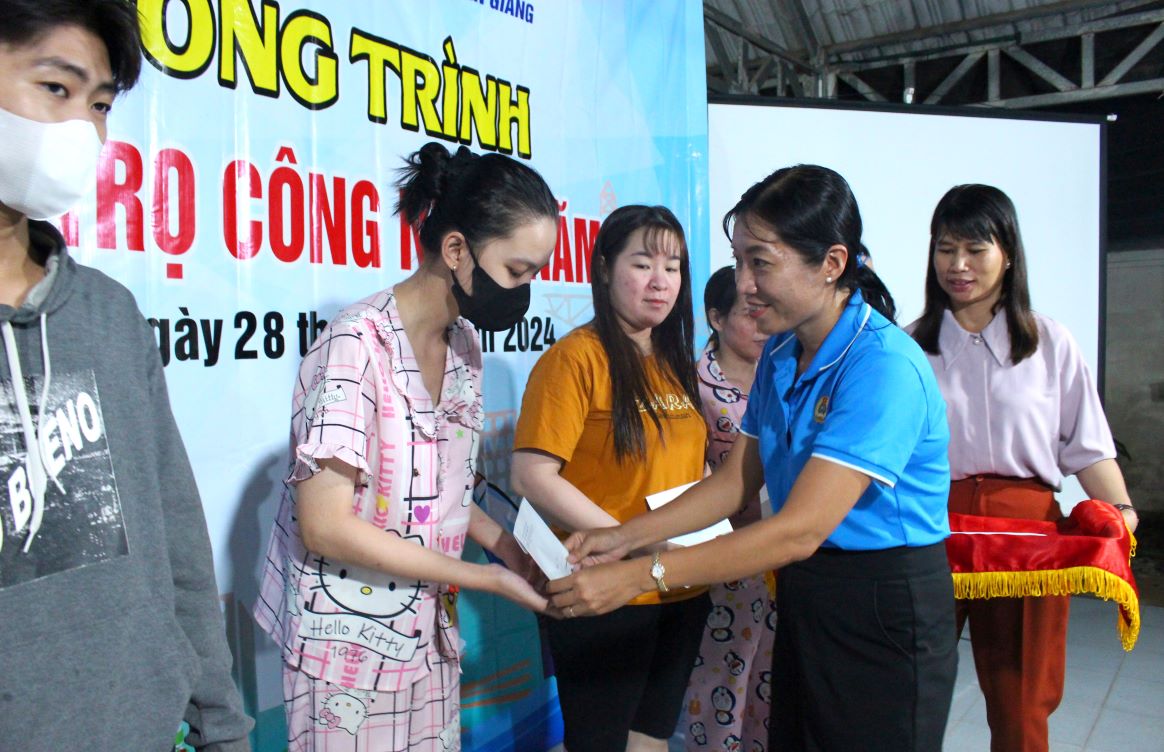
[
  {"x": 511, "y": 585},
  {"x": 599, "y": 546},
  {"x": 599, "y": 588},
  {"x": 517, "y": 560}
]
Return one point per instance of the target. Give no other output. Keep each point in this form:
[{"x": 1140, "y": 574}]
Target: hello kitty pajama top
[{"x": 360, "y": 399}]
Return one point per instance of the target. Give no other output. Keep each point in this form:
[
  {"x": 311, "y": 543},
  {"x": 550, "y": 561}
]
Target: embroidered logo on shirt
[{"x": 821, "y": 410}]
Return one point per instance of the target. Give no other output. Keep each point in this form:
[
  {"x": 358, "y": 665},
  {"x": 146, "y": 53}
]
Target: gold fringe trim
[{"x": 1070, "y": 581}]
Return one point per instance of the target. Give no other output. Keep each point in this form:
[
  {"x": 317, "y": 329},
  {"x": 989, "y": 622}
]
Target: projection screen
[{"x": 900, "y": 161}]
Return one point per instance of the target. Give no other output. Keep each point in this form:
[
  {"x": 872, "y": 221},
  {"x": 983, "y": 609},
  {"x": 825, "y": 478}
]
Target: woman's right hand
[{"x": 598, "y": 546}]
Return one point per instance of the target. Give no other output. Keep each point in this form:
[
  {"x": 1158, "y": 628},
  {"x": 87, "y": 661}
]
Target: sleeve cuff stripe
[{"x": 858, "y": 468}]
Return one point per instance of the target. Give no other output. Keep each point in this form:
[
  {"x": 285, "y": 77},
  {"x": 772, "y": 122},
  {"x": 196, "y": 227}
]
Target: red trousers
[{"x": 1019, "y": 644}]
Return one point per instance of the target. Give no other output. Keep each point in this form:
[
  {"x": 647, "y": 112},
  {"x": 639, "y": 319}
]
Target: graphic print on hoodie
[{"x": 80, "y": 518}]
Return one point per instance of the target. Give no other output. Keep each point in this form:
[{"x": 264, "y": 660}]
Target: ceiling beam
[
  {"x": 1040, "y": 69},
  {"x": 1085, "y": 31},
  {"x": 727, "y": 23},
  {"x": 863, "y": 88},
  {"x": 970, "y": 24},
  {"x": 719, "y": 51},
  {"x": 1153, "y": 86},
  {"x": 1135, "y": 56},
  {"x": 955, "y": 76}
]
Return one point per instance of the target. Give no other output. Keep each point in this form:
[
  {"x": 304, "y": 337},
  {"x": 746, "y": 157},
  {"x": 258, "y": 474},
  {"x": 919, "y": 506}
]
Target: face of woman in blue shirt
[{"x": 782, "y": 292}]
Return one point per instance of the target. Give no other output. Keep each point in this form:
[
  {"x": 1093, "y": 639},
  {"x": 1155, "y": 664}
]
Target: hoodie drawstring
[{"x": 35, "y": 463}]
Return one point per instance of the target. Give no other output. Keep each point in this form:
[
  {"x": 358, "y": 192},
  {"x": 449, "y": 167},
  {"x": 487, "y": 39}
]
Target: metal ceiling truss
[
  {"x": 746, "y": 73},
  {"x": 1018, "y": 69}
]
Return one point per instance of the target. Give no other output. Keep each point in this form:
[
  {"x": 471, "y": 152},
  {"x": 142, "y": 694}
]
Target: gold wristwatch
[{"x": 657, "y": 571}]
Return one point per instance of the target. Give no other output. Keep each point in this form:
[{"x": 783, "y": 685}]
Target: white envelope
[
  {"x": 723, "y": 527},
  {"x": 536, "y": 539}
]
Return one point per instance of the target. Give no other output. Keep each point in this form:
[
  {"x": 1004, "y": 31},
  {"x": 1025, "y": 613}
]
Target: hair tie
[{"x": 862, "y": 256}]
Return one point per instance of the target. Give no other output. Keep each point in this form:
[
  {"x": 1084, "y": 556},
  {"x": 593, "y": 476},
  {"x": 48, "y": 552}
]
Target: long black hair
[
  {"x": 672, "y": 340},
  {"x": 114, "y": 22},
  {"x": 484, "y": 197},
  {"x": 719, "y": 295},
  {"x": 986, "y": 214},
  {"x": 812, "y": 209}
]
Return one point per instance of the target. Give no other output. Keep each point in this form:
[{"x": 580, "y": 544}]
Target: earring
[
  {"x": 828, "y": 279},
  {"x": 1007, "y": 264}
]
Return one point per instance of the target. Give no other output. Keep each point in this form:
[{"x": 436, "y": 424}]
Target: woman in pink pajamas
[
  {"x": 729, "y": 693},
  {"x": 360, "y": 581}
]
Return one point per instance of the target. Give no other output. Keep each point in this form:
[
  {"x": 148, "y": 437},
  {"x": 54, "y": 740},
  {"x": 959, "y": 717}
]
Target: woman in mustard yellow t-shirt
[{"x": 611, "y": 415}]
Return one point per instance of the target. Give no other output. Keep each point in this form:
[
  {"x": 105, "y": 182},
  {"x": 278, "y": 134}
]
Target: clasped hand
[{"x": 602, "y": 580}]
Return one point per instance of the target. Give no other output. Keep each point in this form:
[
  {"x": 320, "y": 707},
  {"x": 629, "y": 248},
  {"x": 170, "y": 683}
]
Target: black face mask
[{"x": 491, "y": 307}]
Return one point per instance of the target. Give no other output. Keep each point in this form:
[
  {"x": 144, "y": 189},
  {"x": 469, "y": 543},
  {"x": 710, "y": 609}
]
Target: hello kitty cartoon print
[
  {"x": 360, "y": 399},
  {"x": 345, "y": 711}
]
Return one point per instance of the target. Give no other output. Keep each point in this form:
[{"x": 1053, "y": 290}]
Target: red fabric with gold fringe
[{"x": 1088, "y": 551}]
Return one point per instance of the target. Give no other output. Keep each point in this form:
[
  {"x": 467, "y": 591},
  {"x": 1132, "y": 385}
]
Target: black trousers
[
  {"x": 625, "y": 671},
  {"x": 866, "y": 652}
]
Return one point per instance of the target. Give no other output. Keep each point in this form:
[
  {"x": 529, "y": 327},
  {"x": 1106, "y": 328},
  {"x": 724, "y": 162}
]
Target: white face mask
[{"x": 46, "y": 168}]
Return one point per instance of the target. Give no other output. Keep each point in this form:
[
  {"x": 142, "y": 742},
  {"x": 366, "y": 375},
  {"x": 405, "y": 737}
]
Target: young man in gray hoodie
[{"x": 111, "y": 633}]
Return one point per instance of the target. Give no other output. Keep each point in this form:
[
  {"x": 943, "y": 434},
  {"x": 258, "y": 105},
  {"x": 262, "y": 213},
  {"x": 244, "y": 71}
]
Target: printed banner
[{"x": 246, "y": 194}]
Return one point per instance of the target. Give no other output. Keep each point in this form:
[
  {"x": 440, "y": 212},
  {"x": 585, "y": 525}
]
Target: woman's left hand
[{"x": 599, "y": 589}]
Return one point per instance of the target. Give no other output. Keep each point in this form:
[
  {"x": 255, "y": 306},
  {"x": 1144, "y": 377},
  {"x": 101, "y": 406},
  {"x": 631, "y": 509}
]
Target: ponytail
[{"x": 863, "y": 278}]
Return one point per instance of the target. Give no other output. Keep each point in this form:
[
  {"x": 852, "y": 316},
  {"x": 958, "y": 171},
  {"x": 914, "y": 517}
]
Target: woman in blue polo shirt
[{"x": 846, "y": 425}]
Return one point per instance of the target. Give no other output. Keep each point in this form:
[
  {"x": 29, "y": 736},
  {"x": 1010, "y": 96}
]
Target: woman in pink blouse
[
  {"x": 364, "y": 561},
  {"x": 729, "y": 691},
  {"x": 1023, "y": 413}
]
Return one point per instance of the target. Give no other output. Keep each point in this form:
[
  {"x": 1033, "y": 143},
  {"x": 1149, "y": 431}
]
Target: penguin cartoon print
[
  {"x": 698, "y": 734},
  {"x": 732, "y": 744},
  {"x": 735, "y": 664},
  {"x": 719, "y": 621},
  {"x": 724, "y": 703},
  {"x": 764, "y": 688}
]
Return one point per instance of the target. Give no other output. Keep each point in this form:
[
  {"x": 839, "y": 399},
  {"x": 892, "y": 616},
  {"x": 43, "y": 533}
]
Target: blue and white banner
[{"x": 245, "y": 195}]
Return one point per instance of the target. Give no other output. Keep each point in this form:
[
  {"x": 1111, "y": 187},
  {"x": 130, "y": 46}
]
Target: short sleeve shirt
[
  {"x": 360, "y": 398},
  {"x": 867, "y": 401},
  {"x": 566, "y": 412},
  {"x": 1039, "y": 418}
]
